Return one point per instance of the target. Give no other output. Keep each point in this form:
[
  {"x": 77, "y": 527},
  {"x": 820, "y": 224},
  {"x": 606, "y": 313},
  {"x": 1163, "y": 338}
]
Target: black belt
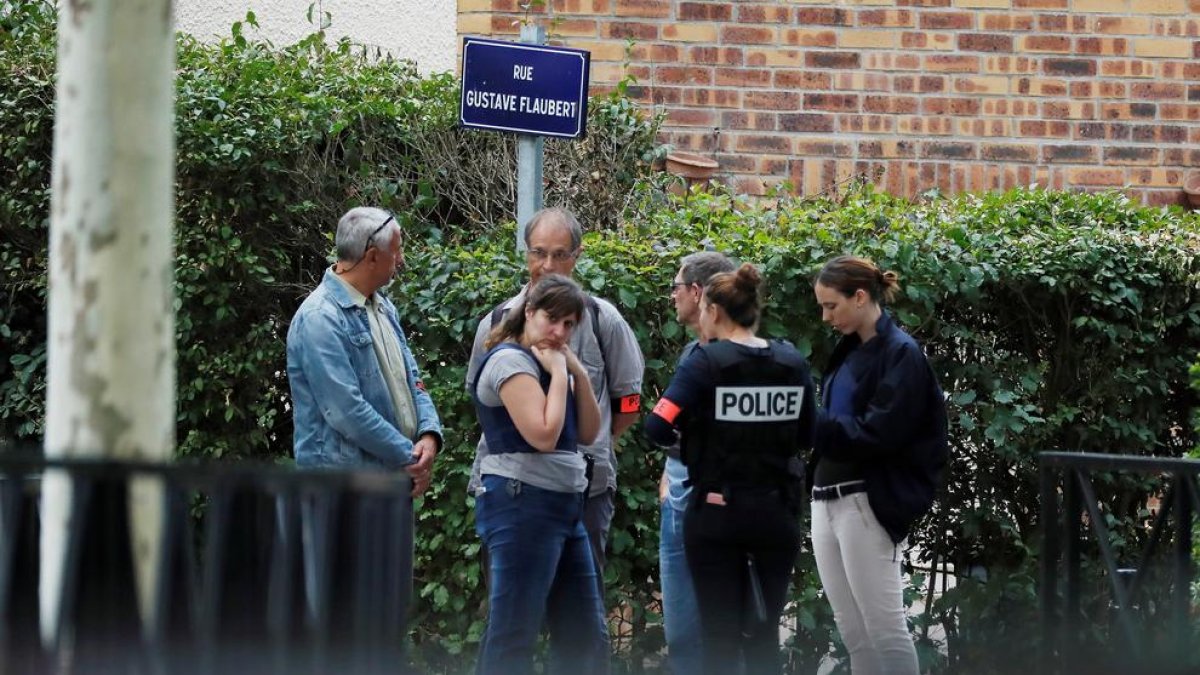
[{"x": 838, "y": 491}]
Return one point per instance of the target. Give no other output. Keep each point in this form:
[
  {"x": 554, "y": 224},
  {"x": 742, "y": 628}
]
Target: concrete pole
[{"x": 111, "y": 350}]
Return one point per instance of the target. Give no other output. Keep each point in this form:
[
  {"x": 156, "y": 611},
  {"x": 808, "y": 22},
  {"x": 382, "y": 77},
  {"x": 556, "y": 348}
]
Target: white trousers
[{"x": 860, "y": 572}]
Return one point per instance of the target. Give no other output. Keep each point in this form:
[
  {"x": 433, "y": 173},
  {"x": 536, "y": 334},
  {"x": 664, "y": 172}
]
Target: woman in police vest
[
  {"x": 879, "y": 452},
  {"x": 745, "y": 408},
  {"x": 536, "y": 406}
]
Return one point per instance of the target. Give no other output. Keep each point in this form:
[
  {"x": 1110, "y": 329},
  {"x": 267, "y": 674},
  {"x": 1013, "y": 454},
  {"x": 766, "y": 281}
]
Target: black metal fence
[
  {"x": 259, "y": 569},
  {"x": 1144, "y": 623}
]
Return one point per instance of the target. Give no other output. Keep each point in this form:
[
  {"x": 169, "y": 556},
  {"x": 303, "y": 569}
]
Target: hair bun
[{"x": 748, "y": 278}]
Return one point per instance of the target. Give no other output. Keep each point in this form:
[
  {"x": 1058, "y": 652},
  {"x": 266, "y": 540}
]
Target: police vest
[
  {"x": 501, "y": 432},
  {"x": 747, "y": 431}
]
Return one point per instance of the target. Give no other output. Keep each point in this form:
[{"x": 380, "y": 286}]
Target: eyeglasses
[
  {"x": 676, "y": 285},
  {"x": 556, "y": 256},
  {"x": 367, "y": 246}
]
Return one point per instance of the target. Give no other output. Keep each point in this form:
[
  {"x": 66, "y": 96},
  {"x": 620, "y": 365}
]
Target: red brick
[
  {"x": 1070, "y": 67},
  {"x": 810, "y": 38},
  {"x": 737, "y": 163},
  {"x": 1124, "y": 155},
  {"x": 628, "y": 29},
  {"x": 764, "y": 143},
  {"x": 1039, "y": 4},
  {"x": 832, "y": 60},
  {"x": 950, "y": 106},
  {"x": 1069, "y": 154},
  {"x": 743, "y": 77},
  {"x": 718, "y": 98},
  {"x": 822, "y": 16},
  {"x": 1009, "y": 152},
  {"x": 704, "y": 11},
  {"x": 683, "y": 75},
  {"x": 1098, "y": 177},
  {"x": 690, "y": 117},
  {"x": 728, "y": 56},
  {"x": 764, "y": 14},
  {"x": 747, "y": 35},
  {"x": 948, "y": 150},
  {"x": 1007, "y": 22},
  {"x": 1081, "y": 90},
  {"x": 947, "y": 20},
  {"x": 1158, "y": 91},
  {"x": 888, "y": 18},
  {"x": 952, "y": 63},
  {"x": 771, "y": 100},
  {"x": 1048, "y": 43},
  {"x": 985, "y": 42},
  {"x": 1093, "y": 46},
  {"x": 802, "y": 79},
  {"x": 923, "y": 3},
  {"x": 806, "y": 122},
  {"x": 831, "y": 102},
  {"x": 654, "y": 9},
  {"x": 894, "y": 105}
]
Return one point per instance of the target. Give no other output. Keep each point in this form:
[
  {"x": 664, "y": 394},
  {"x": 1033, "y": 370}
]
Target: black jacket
[{"x": 897, "y": 434}]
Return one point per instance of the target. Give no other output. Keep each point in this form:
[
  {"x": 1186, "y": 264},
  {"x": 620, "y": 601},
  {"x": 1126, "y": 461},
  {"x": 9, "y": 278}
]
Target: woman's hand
[
  {"x": 553, "y": 360},
  {"x": 574, "y": 365}
]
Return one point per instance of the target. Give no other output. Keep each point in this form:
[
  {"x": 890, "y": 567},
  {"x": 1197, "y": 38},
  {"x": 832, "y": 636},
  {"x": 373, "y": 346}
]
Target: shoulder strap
[{"x": 594, "y": 309}]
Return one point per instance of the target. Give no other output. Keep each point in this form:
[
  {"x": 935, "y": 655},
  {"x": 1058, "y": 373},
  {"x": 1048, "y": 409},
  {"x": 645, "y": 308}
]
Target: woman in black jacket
[
  {"x": 745, "y": 408},
  {"x": 878, "y": 455}
]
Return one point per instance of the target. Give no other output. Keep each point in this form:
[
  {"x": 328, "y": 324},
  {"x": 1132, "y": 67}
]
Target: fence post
[{"x": 1049, "y": 572}]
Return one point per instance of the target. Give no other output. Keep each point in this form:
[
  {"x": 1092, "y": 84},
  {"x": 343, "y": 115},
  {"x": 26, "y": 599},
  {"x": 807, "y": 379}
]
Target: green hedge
[
  {"x": 274, "y": 144},
  {"x": 1056, "y": 321}
]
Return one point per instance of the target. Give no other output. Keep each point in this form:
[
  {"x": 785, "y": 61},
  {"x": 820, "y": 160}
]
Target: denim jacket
[{"x": 342, "y": 411}]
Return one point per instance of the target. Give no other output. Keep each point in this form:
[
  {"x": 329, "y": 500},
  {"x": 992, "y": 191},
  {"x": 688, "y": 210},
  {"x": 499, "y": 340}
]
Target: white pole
[
  {"x": 530, "y": 157},
  {"x": 111, "y": 350}
]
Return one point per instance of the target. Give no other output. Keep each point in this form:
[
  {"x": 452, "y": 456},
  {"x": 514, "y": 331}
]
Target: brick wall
[{"x": 962, "y": 95}]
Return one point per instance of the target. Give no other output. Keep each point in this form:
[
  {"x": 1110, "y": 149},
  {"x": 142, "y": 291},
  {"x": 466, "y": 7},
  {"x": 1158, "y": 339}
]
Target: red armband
[
  {"x": 629, "y": 404},
  {"x": 667, "y": 409}
]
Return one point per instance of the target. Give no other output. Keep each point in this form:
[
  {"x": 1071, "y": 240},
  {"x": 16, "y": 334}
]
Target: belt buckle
[{"x": 837, "y": 490}]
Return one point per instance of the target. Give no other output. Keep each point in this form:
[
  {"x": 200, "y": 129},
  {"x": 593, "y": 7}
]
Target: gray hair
[
  {"x": 355, "y": 228},
  {"x": 698, "y": 268},
  {"x": 557, "y": 216}
]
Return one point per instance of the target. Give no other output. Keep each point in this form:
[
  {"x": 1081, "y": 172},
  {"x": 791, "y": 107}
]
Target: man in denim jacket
[{"x": 357, "y": 396}]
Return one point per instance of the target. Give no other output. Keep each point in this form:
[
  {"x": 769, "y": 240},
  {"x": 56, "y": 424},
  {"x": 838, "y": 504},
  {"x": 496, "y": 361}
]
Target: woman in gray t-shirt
[{"x": 536, "y": 407}]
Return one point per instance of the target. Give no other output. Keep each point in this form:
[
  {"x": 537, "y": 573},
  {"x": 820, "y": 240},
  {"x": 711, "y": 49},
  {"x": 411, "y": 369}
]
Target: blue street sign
[{"x": 532, "y": 89}]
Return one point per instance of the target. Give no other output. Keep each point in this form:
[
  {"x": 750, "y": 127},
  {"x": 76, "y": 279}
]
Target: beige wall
[{"x": 420, "y": 30}]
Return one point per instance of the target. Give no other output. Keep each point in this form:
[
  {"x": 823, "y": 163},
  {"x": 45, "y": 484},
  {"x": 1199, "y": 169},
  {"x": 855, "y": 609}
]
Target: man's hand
[{"x": 424, "y": 450}]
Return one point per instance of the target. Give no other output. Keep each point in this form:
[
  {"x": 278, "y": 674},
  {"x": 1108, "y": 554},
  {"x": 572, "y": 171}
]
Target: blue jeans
[
  {"x": 681, "y": 616},
  {"x": 541, "y": 572}
]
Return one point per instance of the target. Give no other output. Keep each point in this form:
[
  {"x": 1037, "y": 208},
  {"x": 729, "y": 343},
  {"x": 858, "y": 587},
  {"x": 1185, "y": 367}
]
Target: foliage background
[{"x": 1055, "y": 321}]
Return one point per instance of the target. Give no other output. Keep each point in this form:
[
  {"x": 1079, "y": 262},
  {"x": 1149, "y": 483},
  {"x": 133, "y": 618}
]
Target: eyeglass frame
[
  {"x": 676, "y": 285},
  {"x": 367, "y": 246},
  {"x": 556, "y": 256}
]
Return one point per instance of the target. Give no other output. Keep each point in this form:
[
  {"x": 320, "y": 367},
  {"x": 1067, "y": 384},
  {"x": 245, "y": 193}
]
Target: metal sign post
[
  {"x": 531, "y": 153},
  {"x": 528, "y": 88}
]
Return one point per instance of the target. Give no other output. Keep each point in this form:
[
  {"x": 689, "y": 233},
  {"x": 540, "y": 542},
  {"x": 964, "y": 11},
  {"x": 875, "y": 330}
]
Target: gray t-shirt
[
  {"x": 614, "y": 370},
  {"x": 560, "y": 470}
]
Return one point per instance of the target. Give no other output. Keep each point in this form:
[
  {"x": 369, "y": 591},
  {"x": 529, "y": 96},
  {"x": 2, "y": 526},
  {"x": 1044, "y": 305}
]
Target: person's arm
[
  {"x": 325, "y": 360},
  {"x": 893, "y": 417},
  {"x": 539, "y": 416},
  {"x": 587, "y": 410},
  {"x": 624, "y": 368},
  {"x": 689, "y": 384},
  {"x": 428, "y": 423}
]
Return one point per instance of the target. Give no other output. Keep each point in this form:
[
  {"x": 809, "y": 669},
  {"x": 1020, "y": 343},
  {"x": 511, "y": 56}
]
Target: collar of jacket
[
  {"x": 337, "y": 289},
  {"x": 884, "y": 327}
]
